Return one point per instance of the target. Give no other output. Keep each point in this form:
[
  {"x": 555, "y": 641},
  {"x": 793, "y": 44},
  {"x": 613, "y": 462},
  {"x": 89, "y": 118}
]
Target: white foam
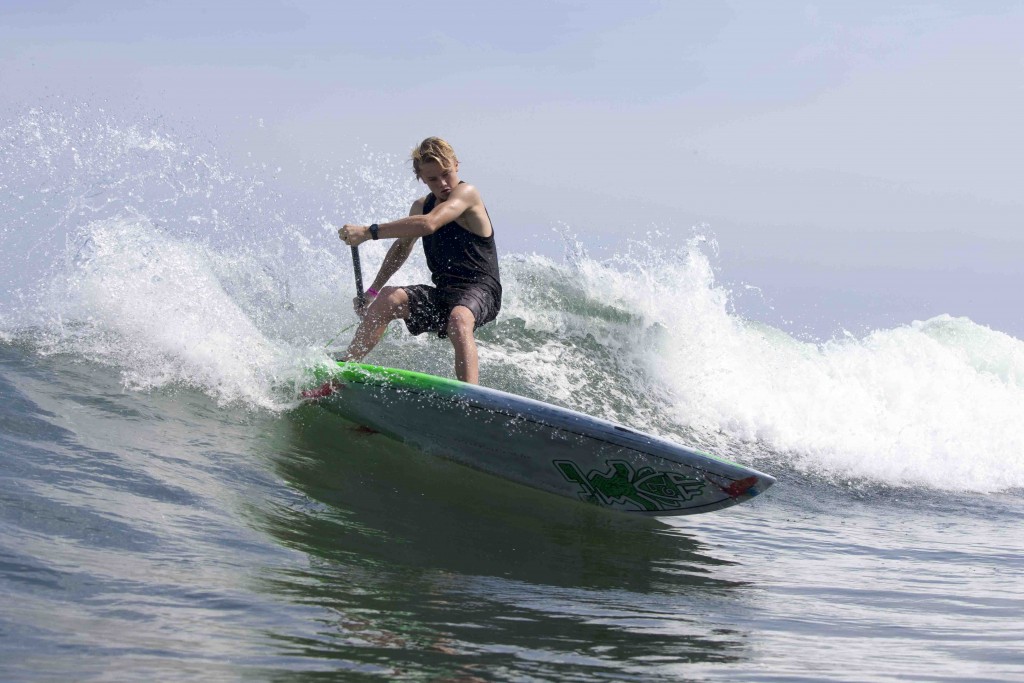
[
  {"x": 179, "y": 271},
  {"x": 936, "y": 403},
  {"x": 154, "y": 307}
]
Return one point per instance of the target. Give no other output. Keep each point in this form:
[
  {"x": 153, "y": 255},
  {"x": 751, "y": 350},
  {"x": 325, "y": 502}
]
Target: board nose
[{"x": 749, "y": 486}]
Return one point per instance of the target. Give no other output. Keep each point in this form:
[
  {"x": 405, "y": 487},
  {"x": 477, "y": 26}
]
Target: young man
[{"x": 458, "y": 240}]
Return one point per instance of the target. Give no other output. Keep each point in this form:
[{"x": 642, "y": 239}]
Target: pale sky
[{"x": 860, "y": 163}]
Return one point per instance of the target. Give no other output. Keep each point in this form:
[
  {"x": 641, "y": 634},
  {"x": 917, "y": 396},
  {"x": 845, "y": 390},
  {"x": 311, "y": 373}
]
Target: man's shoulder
[
  {"x": 468, "y": 195},
  {"x": 469, "y": 191}
]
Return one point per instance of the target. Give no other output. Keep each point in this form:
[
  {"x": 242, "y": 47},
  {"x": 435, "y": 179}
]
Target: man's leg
[
  {"x": 460, "y": 331},
  {"x": 391, "y": 304}
]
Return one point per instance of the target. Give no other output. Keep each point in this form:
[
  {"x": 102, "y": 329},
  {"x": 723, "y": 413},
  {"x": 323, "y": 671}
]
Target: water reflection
[{"x": 428, "y": 566}]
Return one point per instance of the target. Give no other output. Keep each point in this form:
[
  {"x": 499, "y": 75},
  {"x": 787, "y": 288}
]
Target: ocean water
[{"x": 170, "y": 511}]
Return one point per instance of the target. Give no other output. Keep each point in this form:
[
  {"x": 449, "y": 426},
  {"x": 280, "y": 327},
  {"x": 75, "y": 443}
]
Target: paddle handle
[{"x": 360, "y": 294}]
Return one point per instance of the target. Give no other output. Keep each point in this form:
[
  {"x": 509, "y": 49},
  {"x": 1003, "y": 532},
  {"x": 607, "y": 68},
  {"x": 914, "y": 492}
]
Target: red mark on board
[
  {"x": 322, "y": 391},
  {"x": 739, "y": 487}
]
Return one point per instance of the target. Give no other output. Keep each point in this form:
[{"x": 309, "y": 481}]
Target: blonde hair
[{"x": 433, "y": 149}]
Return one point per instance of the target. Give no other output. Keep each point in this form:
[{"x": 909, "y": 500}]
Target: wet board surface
[{"x": 537, "y": 444}]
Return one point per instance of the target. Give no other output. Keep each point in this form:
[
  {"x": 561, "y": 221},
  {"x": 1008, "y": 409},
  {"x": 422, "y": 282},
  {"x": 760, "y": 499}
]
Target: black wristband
[{"x": 373, "y": 231}]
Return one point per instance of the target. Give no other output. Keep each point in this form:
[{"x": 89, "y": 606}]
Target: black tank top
[{"x": 457, "y": 256}]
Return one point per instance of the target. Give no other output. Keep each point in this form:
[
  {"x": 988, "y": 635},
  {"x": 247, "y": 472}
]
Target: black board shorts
[{"x": 429, "y": 307}]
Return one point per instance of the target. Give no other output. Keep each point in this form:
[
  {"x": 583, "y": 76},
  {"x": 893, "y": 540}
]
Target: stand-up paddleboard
[{"x": 534, "y": 443}]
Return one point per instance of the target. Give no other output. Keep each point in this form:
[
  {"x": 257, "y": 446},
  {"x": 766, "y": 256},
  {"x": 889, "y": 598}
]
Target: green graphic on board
[{"x": 647, "y": 488}]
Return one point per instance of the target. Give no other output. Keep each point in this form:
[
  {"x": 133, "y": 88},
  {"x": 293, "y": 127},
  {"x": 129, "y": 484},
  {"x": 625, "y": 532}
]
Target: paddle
[{"x": 360, "y": 294}]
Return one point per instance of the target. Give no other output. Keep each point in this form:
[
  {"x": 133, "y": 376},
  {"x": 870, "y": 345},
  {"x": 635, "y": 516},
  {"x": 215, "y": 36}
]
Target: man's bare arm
[
  {"x": 462, "y": 199},
  {"x": 395, "y": 258},
  {"x": 398, "y": 254}
]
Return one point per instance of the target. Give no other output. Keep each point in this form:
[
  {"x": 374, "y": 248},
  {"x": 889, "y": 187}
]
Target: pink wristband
[{"x": 372, "y": 292}]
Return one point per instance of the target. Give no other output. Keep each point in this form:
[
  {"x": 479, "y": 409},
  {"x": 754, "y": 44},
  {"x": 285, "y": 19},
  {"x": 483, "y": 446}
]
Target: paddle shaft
[{"x": 360, "y": 294}]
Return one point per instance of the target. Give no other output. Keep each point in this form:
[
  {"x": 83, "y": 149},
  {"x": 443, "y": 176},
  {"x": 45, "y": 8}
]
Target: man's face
[{"x": 438, "y": 179}]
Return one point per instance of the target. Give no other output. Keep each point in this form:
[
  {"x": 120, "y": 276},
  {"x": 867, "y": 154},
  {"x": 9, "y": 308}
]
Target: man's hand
[{"x": 354, "y": 235}]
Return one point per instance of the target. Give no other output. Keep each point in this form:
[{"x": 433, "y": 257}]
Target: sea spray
[
  {"x": 935, "y": 403},
  {"x": 125, "y": 245},
  {"x": 155, "y": 307}
]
